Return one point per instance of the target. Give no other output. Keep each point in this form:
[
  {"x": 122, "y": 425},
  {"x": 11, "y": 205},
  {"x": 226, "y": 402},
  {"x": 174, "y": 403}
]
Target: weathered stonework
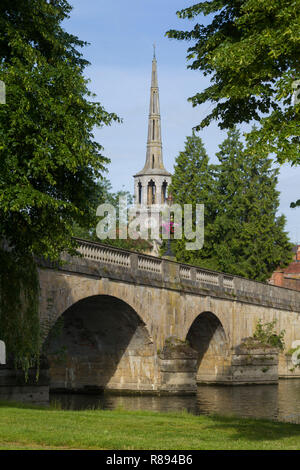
[
  {"x": 254, "y": 365},
  {"x": 178, "y": 367},
  {"x": 102, "y": 345},
  {"x": 287, "y": 368},
  {"x": 157, "y": 299}
]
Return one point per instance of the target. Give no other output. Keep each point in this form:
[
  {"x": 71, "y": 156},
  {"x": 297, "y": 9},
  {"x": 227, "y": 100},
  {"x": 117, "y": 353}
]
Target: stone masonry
[{"x": 108, "y": 314}]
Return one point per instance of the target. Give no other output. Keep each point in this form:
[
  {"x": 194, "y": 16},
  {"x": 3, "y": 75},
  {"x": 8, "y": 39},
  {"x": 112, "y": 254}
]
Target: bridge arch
[
  {"x": 207, "y": 336},
  {"x": 69, "y": 289},
  {"x": 101, "y": 342}
]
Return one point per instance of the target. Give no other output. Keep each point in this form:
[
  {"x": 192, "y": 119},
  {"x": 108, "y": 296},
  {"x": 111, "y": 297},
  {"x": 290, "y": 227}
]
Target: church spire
[
  {"x": 154, "y": 160},
  {"x": 151, "y": 183}
]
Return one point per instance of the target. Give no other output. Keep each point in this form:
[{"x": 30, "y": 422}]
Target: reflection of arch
[
  {"x": 207, "y": 336},
  {"x": 151, "y": 193},
  {"x": 99, "y": 346}
]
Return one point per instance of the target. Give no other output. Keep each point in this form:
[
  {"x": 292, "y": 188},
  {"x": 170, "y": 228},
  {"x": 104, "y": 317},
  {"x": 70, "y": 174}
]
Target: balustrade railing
[
  {"x": 132, "y": 261},
  {"x": 185, "y": 272},
  {"x": 228, "y": 282},
  {"x": 104, "y": 255},
  {"x": 207, "y": 277},
  {"x": 146, "y": 263}
]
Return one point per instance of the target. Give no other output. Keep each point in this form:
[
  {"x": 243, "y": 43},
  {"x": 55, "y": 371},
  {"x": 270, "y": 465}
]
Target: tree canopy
[
  {"x": 250, "y": 50},
  {"x": 49, "y": 160},
  {"x": 243, "y": 233},
  {"x": 193, "y": 183},
  {"x": 104, "y": 195}
]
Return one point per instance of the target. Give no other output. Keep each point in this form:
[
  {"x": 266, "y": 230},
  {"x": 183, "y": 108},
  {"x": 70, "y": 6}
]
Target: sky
[{"x": 121, "y": 36}]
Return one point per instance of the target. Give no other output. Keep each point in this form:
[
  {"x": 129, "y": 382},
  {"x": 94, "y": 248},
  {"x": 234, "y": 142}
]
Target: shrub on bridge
[{"x": 266, "y": 334}]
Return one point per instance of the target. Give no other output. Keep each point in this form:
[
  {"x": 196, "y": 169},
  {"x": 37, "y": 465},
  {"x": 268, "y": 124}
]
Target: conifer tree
[
  {"x": 243, "y": 233},
  {"x": 249, "y": 236},
  {"x": 192, "y": 183}
]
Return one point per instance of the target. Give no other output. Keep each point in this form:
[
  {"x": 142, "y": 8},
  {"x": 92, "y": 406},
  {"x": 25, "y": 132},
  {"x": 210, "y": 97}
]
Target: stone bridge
[{"x": 119, "y": 320}]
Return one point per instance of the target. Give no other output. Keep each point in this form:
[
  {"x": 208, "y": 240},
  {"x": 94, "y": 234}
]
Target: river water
[{"x": 277, "y": 402}]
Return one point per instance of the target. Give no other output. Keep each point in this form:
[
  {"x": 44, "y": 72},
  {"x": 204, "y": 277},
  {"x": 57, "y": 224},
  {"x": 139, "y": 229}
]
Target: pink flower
[{"x": 169, "y": 226}]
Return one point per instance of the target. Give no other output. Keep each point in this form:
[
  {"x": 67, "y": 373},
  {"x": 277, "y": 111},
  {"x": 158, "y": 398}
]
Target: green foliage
[
  {"x": 19, "y": 317},
  {"x": 103, "y": 194},
  {"x": 266, "y": 334},
  {"x": 250, "y": 50},
  {"x": 139, "y": 245},
  {"x": 192, "y": 183},
  {"x": 291, "y": 351},
  {"x": 120, "y": 429},
  {"x": 243, "y": 234},
  {"x": 49, "y": 161},
  {"x": 248, "y": 235},
  {"x": 295, "y": 352}
]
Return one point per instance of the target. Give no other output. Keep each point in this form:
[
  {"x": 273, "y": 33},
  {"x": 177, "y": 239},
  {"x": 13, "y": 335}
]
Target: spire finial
[{"x": 154, "y": 49}]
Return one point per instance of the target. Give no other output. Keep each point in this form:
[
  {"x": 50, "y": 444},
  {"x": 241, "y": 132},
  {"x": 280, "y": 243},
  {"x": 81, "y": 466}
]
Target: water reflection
[{"x": 278, "y": 402}]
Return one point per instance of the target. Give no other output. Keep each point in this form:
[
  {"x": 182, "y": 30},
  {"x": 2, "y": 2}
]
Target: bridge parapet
[
  {"x": 104, "y": 254},
  {"x": 111, "y": 296},
  {"x": 107, "y": 261}
]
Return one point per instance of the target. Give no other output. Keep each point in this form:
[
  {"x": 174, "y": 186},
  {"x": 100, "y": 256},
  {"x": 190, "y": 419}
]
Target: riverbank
[{"x": 30, "y": 427}]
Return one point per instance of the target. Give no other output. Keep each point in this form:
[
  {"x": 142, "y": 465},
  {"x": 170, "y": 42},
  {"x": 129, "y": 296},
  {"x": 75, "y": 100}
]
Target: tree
[
  {"x": 243, "y": 234},
  {"x": 250, "y": 49},
  {"x": 104, "y": 194},
  {"x": 249, "y": 237},
  {"x": 49, "y": 160},
  {"x": 193, "y": 183}
]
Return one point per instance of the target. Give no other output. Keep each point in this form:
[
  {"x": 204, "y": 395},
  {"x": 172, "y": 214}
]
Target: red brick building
[{"x": 289, "y": 276}]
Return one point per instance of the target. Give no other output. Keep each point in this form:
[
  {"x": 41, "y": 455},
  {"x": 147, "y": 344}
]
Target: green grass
[{"x": 29, "y": 427}]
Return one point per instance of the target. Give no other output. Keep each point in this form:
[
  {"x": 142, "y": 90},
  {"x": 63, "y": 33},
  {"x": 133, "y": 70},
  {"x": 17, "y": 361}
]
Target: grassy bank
[{"x": 28, "y": 427}]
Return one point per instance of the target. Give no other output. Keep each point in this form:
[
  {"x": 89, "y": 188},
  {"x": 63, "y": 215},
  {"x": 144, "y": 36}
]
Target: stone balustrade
[
  {"x": 146, "y": 263},
  {"x": 104, "y": 254},
  {"x": 185, "y": 272},
  {"x": 109, "y": 261},
  {"x": 228, "y": 282},
  {"x": 207, "y": 277}
]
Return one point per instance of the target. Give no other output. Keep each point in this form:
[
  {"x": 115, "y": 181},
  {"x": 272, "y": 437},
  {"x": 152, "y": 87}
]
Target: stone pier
[{"x": 108, "y": 314}]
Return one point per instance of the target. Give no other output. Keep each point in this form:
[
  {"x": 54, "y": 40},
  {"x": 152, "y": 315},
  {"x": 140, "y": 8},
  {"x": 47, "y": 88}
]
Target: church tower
[{"x": 151, "y": 183}]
